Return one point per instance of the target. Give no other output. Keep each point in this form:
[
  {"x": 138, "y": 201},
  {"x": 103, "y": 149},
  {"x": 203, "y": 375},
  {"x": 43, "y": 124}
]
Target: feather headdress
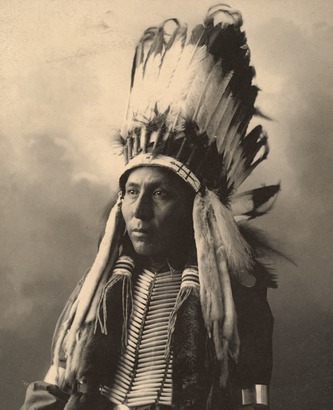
[{"x": 192, "y": 100}]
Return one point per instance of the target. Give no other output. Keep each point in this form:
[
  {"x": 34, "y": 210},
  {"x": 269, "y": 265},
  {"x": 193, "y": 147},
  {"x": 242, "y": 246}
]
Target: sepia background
[{"x": 64, "y": 79}]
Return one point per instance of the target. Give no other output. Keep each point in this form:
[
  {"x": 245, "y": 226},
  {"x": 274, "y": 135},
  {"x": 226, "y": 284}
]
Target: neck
[
  {"x": 177, "y": 259},
  {"x": 156, "y": 265},
  {"x": 172, "y": 262}
]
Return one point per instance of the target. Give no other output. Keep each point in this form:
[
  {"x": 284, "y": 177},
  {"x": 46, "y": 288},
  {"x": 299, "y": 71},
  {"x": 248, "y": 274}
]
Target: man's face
[{"x": 157, "y": 208}]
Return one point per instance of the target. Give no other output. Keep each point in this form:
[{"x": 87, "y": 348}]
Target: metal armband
[{"x": 255, "y": 394}]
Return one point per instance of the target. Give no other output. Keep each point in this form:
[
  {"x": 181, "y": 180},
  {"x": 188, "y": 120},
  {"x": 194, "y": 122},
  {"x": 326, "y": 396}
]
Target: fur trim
[
  {"x": 84, "y": 309},
  {"x": 220, "y": 247}
]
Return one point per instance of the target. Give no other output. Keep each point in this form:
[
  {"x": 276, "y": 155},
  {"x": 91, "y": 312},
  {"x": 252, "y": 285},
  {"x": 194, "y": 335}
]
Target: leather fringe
[
  {"x": 190, "y": 285},
  {"x": 123, "y": 271}
]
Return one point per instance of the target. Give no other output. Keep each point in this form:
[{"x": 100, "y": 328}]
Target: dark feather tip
[{"x": 259, "y": 113}]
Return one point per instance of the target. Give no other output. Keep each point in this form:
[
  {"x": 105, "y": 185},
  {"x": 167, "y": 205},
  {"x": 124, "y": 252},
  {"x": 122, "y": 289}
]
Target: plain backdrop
[{"x": 64, "y": 80}]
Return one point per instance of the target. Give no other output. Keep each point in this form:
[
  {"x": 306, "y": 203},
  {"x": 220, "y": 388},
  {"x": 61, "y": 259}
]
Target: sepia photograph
[{"x": 166, "y": 205}]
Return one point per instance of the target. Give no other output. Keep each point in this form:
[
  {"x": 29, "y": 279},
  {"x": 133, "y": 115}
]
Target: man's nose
[{"x": 143, "y": 208}]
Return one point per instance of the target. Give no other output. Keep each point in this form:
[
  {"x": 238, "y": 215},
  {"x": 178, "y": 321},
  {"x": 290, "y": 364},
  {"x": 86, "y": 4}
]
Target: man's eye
[
  {"x": 159, "y": 193},
  {"x": 132, "y": 192}
]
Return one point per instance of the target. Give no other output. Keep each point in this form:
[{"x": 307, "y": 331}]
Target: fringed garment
[{"x": 195, "y": 369}]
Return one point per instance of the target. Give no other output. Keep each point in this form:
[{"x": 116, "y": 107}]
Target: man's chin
[{"x": 145, "y": 249}]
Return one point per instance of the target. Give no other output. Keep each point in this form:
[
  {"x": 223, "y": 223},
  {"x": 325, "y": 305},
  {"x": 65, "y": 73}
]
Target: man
[{"x": 173, "y": 312}]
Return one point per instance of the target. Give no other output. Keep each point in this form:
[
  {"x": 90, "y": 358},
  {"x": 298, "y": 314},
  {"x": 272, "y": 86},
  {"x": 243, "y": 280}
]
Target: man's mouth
[{"x": 140, "y": 233}]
